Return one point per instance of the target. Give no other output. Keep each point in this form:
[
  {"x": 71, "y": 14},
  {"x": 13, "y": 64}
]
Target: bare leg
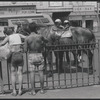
[
  {"x": 41, "y": 81},
  {"x": 1, "y": 79},
  {"x": 20, "y": 79},
  {"x": 32, "y": 79},
  {"x": 13, "y": 79}
]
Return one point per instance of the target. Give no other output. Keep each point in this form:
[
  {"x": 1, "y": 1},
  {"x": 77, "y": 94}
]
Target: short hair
[
  {"x": 33, "y": 27},
  {"x": 8, "y": 30}
]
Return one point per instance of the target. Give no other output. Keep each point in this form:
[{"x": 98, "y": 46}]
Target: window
[
  {"x": 76, "y": 23},
  {"x": 45, "y": 20},
  {"x": 70, "y": 3},
  {"x": 3, "y": 22},
  {"x": 36, "y": 20}
]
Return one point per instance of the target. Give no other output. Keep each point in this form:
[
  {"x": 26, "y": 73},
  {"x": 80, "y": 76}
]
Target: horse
[{"x": 79, "y": 34}]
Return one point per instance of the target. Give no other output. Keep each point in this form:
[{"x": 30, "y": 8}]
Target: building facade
[{"x": 79, "y": 13}]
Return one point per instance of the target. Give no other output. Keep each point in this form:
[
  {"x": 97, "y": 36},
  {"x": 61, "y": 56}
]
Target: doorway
[
  {"x": 89, "y": 24},
  {"x": 60, "y": 15}
]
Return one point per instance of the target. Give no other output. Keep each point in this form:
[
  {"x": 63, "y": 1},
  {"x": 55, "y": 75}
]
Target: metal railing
[{"x": 65, "y": 75}]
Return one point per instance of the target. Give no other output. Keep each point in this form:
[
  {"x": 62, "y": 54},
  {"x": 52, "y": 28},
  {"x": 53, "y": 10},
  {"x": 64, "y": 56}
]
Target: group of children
[{"x": 33, "y": 44}]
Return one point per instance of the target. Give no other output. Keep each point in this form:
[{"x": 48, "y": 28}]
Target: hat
[
  {"x": 66, "y": 21},
  {"x": 57, "y": 20}
]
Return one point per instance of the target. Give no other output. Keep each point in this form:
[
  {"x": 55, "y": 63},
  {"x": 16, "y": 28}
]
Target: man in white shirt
[
  {"x": 58, "y": 24},
  {"x": 67, "y": 31},
  {"x": 57, "y": 28}
]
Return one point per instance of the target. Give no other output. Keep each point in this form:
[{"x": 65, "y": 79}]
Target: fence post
[
  {"x": 8, "y": 67},
  {"x": 26, "y": 54},
  {"x": 99, "y": 59},
  {"x": 1, "y": 77}
]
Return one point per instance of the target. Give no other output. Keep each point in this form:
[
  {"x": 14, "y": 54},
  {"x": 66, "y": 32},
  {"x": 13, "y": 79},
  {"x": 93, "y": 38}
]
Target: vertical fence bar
[
  {"x": 82, "y": 70},
  {"x": 8, "y": 75},
  {"x": 65, "y": 72},
  {"x": 93, "y": 68},
  {"x": 58, "y": 70},
  {"x": 99, "y": 59},
  {"x": 46, "y": 75},
  {"x": 70, "y": 70},
  {"x": 88, "y": 65},
  {"x": 52, "y": 69},
  {"x": 1, "y": 69},
  {"x": 56, "y": 62},
  {"x": 45, "y": 64},
  {"x": 1, "y": 77},
  {"x": 76, "y": 69},
  {"x": 27, "y": 69}
]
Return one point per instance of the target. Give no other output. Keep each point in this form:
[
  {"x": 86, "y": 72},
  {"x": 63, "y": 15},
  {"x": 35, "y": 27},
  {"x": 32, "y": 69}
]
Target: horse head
[
  {"x": 23, "y": 29},
  {"x": 51, "y": 36}
]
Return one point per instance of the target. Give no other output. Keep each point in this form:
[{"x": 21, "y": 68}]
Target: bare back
[{"x": 34, "y": 43}]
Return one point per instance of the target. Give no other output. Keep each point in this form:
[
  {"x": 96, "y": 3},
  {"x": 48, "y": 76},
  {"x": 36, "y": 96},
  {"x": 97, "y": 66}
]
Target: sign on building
[
  {"x": 17, "y": 10},
  {"x": 55, "y": 4},
  {"x": 83, "y": 8}
]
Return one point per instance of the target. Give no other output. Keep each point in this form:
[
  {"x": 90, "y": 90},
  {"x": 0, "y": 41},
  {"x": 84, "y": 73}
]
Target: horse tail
[
  {"x": 93, "y": 36},
  {"x": 93, "y": 41}
]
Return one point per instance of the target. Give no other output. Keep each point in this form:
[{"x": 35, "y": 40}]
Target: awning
[
  {"x": 3, "y": 20},
  {"x": 83, "y": 13}
]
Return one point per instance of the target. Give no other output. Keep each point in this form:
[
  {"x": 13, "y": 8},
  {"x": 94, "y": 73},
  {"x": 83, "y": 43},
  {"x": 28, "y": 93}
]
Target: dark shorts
[{"x": 17, "y": 59}]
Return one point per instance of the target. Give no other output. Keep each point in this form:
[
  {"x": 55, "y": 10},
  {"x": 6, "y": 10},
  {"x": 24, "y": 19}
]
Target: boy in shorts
[{"x": 34, "y": 45}]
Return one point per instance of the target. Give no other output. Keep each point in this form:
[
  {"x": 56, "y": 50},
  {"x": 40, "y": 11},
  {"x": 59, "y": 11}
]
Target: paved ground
[
  {"x": 80, "y": 92},
  {"x": 89, "y": 92}
]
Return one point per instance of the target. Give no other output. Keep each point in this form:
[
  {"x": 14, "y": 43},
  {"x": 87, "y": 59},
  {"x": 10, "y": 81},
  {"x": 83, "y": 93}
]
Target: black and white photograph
[{"x": 49, "y": 49}]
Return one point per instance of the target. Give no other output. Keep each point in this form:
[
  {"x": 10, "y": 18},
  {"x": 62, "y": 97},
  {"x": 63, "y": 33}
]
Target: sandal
[
  {"x": 32, "y": 93},
  {"x": 14, "y": 94}
]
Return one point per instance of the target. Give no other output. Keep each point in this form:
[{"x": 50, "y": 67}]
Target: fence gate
[{"x": 71, "y": 75}]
